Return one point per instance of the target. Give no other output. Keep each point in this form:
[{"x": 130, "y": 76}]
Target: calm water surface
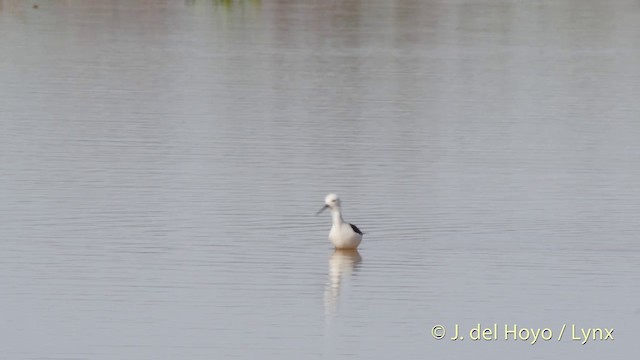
[{"x": 161, "y": 164}]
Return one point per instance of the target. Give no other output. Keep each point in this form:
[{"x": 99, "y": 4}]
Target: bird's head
[{"x": 331, "y": 201}]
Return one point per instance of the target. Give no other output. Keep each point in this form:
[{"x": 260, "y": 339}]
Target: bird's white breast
[{"x": 343, "y": 237}]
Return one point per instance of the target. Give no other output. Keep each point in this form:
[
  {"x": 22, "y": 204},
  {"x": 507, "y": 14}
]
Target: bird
[{"x": 343, "y": 235}]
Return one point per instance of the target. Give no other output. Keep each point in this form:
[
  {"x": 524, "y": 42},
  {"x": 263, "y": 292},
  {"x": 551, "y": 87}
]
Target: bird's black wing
[{"x": 355, "y": 228}]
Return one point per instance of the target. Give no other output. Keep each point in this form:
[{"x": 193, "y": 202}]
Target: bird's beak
[{"x": 321, "y": 210}]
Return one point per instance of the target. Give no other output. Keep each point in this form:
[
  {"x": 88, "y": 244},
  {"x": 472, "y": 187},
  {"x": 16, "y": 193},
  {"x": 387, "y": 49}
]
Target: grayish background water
[{"x": 161, "y": 164}]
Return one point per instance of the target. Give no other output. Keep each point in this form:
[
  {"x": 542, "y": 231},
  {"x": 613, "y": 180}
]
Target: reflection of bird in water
[{"x": 342, "y": 263}]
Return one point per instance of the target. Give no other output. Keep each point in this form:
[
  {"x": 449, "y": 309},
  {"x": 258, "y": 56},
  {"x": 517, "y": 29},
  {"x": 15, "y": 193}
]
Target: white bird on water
[{"x": 342, "y": 235}]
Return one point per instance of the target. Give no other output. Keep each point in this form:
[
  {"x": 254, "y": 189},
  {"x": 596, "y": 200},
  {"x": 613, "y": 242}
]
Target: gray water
[{"x": 161, "y": 163}]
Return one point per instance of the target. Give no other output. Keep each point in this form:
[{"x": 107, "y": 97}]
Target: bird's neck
[{"x": 336, "y": 215}]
